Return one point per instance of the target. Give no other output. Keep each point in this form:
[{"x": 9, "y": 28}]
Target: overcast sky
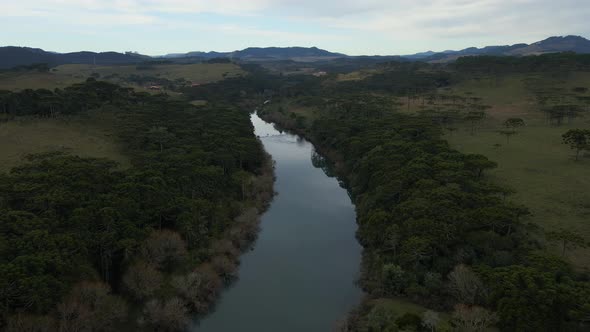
[{"x": 349, "y": 26}]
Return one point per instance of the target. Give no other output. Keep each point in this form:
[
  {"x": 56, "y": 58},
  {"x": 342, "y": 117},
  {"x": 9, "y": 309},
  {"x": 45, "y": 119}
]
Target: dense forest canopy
[
  {"x": 67, "y": 219},
  {"x": 84, "y": 239},
  {"x": 433, "y": 227}
]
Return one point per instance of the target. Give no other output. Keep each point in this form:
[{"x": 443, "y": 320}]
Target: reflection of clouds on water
[{"x": 287, "y": 139}]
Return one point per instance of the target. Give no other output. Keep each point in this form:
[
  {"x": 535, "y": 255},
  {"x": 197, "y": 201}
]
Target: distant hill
[
  {"x": 265, "y": 53},
  {"x": 575, "y": 44},
  {"x": 21, "y": 56},
  {"x": 11, "y": 56}
]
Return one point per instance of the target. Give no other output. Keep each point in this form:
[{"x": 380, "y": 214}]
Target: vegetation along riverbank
[
  {"x": 90, "y": 244},
  {"x": 436, "y": 227}
]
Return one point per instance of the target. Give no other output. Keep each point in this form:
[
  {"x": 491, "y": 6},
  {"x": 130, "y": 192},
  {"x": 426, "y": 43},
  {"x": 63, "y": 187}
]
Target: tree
[
  {"x": 394, "y": 279},
  {"x": 226, "y": 268},
  {"x": 160, "y": 135},
  {"x": 142, "y": 280},
  {"x": 577, "y": 139},
  {"x": 474, "y": 119},
  {"x": 508, "y": 134},
  {"x": 430, "y": 320},
  {"x": 382, "y": 319},
  {"x": 514, "y": 123},
  {"x": 91, "y": 307},
  {"x": 164, "y": 249},
  {"x": 465, "y": 285},
  {"x": 169, "y": 315},
  {"x": 433, "y": 282},
  {"x": 479, "y": 163},
  {"x": 568, "y": 239},
  {"x": 29, "y": 323},
  {"x": 473, "y": 318},
  {"x": 190, "y": 287}
]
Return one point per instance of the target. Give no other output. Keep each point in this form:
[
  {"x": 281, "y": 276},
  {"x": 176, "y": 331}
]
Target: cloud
[{"x": 404, "y": 22}]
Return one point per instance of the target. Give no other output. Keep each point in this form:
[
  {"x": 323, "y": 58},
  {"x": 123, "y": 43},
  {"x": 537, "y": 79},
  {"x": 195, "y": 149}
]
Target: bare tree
[
  {"x": 29, "y": 323},
  {"x": 142, "y": 280},
  {"x": 430, "y": 320},
  {"x": 164, "y": 249},
  {"x": 473, "y": 318},
  {"x": 191, "y": 287},
  {"x": 170, "y": 315},
  {"x": 225, "y": 267},
  {"x": 91, "y": 307},
  {"x": 465, "y": 285}
]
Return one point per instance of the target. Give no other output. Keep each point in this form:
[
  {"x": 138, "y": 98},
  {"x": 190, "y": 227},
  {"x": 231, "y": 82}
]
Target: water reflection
[{"x": 300, "y": 276}]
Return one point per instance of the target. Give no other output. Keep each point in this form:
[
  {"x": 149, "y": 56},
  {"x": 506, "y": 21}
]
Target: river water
[{"x": 300, "y": 275}]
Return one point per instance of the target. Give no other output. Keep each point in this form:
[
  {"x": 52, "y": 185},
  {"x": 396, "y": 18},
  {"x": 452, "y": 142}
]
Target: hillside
[
  {"x": 575, "y": 44},
  {"x": 11, "y": 56},
  {"x": 271, "y": 53}
]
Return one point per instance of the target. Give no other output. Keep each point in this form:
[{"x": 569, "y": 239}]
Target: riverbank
[
  {"x": 301, "y": 275},
  {"x": 373, "y": 296},
  {"x": 211, "y": 277}
]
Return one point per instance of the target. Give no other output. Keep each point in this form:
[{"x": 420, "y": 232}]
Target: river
[{"x": 300, "y": 275}]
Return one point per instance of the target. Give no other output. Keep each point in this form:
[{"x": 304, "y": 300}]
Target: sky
[{"x": 354, "y": 27}]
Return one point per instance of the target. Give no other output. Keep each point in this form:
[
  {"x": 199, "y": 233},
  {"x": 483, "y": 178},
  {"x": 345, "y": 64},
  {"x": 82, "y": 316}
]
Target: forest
[
  {"x": 89, "y": 245},
  {"x": 434, "y": 227}
]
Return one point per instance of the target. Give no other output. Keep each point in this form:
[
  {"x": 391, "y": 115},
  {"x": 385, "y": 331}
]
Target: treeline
[
  {"x": 433, "y": 228},
  {"x": 553, "y": 62},
  {"x": 85, "y": 245}
]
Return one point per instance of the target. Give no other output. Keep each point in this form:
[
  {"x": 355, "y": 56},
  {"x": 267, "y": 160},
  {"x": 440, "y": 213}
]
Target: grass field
[
  {"x": 65, "y": 75},
  {"x": 535, "y": 162},
  {"x": 77, "y": 136}
]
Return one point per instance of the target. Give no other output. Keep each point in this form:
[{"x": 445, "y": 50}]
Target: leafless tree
[
  {"x": 142, "y": 280},
  {"x": 473, "y": 318},
  {"x": 170, "y": 315},
  {"x": 465, "y": 285},
  {"x": 430, "y": 320},
  {"x": 163, "y": 249}
]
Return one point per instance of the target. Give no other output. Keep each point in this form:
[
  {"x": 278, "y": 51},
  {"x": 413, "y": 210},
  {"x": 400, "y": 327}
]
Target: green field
[
  {"x": 535, "y": 162},
  {"x": 83, "y": 136},
  {"x": 65, "y": 75}
]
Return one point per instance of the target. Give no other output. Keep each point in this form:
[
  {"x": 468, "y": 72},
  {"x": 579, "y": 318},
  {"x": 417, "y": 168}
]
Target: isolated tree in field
[
  {"x": 514, "y": 123},
  {"x": 567, "y": 240},
  {"x": 585, "y": 100},
  {"x": 580, "y": 89},
  {"x": 507, "y": 134},
  {"x": 473, "y": 318},
  {"x": 577, "y": 139},
  {"x": 474, "y": 118},
  {"x": 451, "y": 130}
]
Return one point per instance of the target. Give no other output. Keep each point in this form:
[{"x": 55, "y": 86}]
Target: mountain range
[
  {"x": 11, "y": 56},
  {"x": 253, "y": 53},
  {"x": 575, "y": 44}
]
